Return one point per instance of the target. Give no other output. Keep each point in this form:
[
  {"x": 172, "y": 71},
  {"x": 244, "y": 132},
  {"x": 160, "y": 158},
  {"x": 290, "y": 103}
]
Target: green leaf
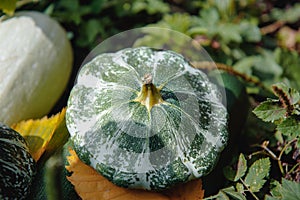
[
  {"x": 287, "y": 190},
  {"x": 233, "y": 193},
  {"x": 270, "y": 111},
  {"x": 8, "y": 6},
  {"x": 266, "y": 65},
  {"x": 289, "y": 127},
  {"x": 292, "y": 94},
  {"x": 240, "y": 188},
  {"x": 235, "y": 175},
  {"x": 250, "y": 31},
  {"x": 230, "y": 32},
  {"x": 245, "y": 64},
  {"x": 290, "y": 15},
  {"x": 290, "y": 189},
  {"x": 290, "y": 62},
  {"x": 228, "y": 194},
  {"x": 276, "y": 190},
  {"x": 151, "y": 6},
  {"x": 256, "y": 174},
  {"x": 241, "y": 167}
]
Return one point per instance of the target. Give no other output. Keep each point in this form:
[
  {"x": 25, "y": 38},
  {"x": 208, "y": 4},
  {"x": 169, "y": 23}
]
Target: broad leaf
[
  {"x": 289, "y": 127},
  {"x": 270, "y": 111},
  {"x": 285, "y": 191},
  {"x": 257, "y": 173},
  {"x": 290, "y": 189}
]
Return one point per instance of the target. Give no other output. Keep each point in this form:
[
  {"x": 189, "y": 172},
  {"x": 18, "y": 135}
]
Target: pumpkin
[
  {"x": 35, "y": 65},
  {"x": 17, "y": 167},
  {"x": 145, "y": 118}
]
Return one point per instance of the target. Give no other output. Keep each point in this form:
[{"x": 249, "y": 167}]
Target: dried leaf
[
  {"x": 44, "y": 134},
  {"x": 186, "y": 191},
  {"x": 89, "y": 184}
]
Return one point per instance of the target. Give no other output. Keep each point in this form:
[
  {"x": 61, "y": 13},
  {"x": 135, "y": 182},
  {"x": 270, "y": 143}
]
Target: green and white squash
[
  {"x": 145, "y": 118},
  {"x": 17, "y": 167}
]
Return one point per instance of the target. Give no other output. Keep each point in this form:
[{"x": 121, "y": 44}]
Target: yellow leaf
[
  {"x": 43, "y": 135},
  {"x": 8, "y": 6},
  {"x": 90, "y": 185}
]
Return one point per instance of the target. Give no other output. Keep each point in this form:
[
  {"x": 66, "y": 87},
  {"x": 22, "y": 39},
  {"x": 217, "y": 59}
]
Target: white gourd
[{"x": 35, "y": 65}]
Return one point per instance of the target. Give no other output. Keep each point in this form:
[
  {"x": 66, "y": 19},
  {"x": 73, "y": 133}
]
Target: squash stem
[{"x": 149, "y": 94}]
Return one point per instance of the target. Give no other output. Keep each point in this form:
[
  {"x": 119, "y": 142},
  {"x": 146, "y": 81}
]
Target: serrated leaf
[
  {"x": 292, "y": 94},
  {"x": 289, "y": 127},
  {"x": 89, "y": 184},
  {"x": 290, "y": 189},
  {"x": 256, "y": 174},
  {"x": 287, "y": 190},
  {"x": 276, "y": 190},
  {"x": 241, "y": 167},
  {"x": 44, "y": 135},
  {"x": 8, "y": 6},
  {"x": 233, "y": 193},
  {"x": 270, "y": 111}
]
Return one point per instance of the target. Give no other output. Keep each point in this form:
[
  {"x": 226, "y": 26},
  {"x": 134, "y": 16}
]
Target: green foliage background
[{"x": 258, "y": 41}]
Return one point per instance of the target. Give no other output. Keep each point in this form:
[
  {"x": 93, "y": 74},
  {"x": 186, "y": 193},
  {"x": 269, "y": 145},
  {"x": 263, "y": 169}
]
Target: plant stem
[
  {"x": 281, "y": 153},
  {"x": 206, "y": 65},
  {"x": 248, "y": 189},
  {"x": 293, "y": 168},
  {"x": 265, "y": 147}
]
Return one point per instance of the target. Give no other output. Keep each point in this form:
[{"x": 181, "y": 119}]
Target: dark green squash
[
  {"x": 145, "y": 118},
  {"x": 17, "y": 167}
]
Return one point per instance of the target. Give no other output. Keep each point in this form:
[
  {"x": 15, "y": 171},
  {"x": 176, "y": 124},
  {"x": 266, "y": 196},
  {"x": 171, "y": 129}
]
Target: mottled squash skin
[
  {"x": 17, "y": 167},
  {"x": 139, "y": 143}
]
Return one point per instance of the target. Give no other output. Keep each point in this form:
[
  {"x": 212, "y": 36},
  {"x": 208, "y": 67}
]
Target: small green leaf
[
  {"x": 289, "y": 127},
  {"x": 240, "y": 188},
  {"x": 269, "y": 111},
  {"x": 221, "y": 196},
  {"x": 292, "y": 94},
  {"x": 241, "y": 167},
  {"x": 233, "y": 193},
  {"x": 276, "y": 190},
  {"x": 256, "y": 174},
  {"x": 8, "y": 6}
]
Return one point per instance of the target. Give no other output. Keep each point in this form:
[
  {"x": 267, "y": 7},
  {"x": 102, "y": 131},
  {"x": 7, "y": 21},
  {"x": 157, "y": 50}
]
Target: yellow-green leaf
[
  {"x": 44, "y": 135},
  {"x": 8, "y": 6}
]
